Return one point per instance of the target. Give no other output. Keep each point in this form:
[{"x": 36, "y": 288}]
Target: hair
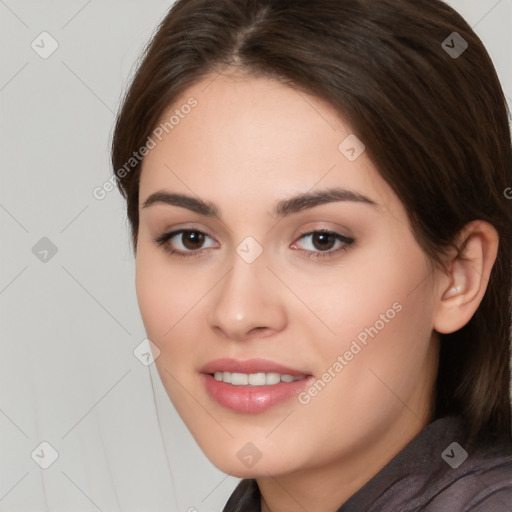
[{"x": 434, "y": 125}]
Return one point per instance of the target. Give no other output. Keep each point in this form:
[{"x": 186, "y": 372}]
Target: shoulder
[
  {"x": 439, "y": 471},
  {"x": 478, "y": 481}
]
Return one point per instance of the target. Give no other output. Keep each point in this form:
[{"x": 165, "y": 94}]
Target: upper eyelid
[
  {"x": 324, "y": 230},
  {"x": 169, "y": 233}
]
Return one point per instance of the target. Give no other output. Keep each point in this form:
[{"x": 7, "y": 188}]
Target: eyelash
[
  {"x": 161, "y": 241},
  {"x": 315, "y": 255}
]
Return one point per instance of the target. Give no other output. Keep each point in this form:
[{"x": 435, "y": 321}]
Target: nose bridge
[{"x": 244, "y": 300}]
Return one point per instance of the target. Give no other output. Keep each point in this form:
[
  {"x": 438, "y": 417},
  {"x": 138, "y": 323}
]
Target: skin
[{"x": 249, "y": 143}]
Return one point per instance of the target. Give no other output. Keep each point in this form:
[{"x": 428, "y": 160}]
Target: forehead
[{"x": 258, "y": 137}]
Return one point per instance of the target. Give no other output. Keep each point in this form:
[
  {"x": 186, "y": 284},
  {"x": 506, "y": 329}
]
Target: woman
[{"x": 317, "y": 197}]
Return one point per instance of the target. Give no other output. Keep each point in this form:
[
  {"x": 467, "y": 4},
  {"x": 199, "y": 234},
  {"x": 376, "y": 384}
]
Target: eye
[
  {"x": 185, "y": 242},
  {"x": 322, "y": 243}
]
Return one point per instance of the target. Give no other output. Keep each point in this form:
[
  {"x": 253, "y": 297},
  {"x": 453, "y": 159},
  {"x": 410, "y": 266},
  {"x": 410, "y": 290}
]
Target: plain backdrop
[{"x": 69, "y": 320}]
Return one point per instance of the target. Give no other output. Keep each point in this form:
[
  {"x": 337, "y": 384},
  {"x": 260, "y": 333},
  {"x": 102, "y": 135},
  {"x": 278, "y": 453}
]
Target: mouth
[{"x": 252, "y": 386}]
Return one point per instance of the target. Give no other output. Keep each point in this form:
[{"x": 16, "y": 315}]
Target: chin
[{"x": 245, "y": 460}]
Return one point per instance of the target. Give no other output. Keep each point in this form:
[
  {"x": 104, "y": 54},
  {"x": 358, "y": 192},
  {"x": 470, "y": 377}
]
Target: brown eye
[
  {"x": 323, "y": 241},
  {"x": 192, "y": 240}
]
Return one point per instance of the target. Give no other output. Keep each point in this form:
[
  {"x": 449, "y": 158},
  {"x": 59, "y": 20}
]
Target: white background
[{"x": 69, "y": 326}]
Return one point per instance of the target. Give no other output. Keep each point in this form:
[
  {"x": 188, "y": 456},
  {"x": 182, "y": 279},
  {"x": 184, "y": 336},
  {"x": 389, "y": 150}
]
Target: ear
[{"x": 462, "y": 288}]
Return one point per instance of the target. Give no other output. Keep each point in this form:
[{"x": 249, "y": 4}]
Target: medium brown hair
[{"x": 434, "y": 125}]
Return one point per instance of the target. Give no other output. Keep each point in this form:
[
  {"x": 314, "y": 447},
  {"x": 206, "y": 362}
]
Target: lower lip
[{"x": 252, "y": 399}]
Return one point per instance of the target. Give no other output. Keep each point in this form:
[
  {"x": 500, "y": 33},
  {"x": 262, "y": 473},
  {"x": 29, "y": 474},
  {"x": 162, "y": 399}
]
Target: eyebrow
[
  {"x": 183, "y": 201},
  {"x": 309, "y": 200},
  {"x": 283, "y": 208}
]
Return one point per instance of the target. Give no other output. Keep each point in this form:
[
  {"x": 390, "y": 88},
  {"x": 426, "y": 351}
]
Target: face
[{"x": 278, "y": 275}]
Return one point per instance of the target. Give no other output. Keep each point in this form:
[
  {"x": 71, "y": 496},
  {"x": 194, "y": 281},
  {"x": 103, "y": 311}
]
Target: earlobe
[{"x": 462, "y": 289}]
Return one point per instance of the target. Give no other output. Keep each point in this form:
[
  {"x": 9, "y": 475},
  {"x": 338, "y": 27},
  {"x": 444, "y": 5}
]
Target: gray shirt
[{"x": 433, "y": 473}]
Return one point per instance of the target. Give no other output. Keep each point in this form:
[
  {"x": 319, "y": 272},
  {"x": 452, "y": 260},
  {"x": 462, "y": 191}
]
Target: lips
[
  {"x": 249, "y": 366},
  {"x": 241, "y": 395}
]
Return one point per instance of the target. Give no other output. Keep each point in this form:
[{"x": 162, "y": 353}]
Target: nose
[{"x": 247, "y": 302}]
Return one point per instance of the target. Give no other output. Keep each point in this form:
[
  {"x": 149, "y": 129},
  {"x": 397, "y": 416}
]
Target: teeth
[
  {"x": 239, "y": 379},
  {"x": 254, "y": 379},
  {"x": 272, "y": 378}
]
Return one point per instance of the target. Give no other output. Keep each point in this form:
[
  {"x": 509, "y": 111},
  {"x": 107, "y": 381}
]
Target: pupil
[
  {"x": 192, "y": 239},
  {"x": 324, "y": 241}
]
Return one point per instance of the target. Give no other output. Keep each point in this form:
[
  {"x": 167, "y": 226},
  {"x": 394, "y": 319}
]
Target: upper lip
[{"x": 249, "y": 366}]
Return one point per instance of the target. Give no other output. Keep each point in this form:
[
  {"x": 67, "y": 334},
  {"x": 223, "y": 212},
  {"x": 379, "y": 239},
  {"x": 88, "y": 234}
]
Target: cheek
[
  {"x": 162, "y": 294},
  {"x": 166, "y": 298},
  {"x": 165, "y": 291},
  {"x": 373, "y": 311},
  {"x": 151, "y": 295},
  {"x": 363, "y": 291},
  {"x": 381, "y": 314}
]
